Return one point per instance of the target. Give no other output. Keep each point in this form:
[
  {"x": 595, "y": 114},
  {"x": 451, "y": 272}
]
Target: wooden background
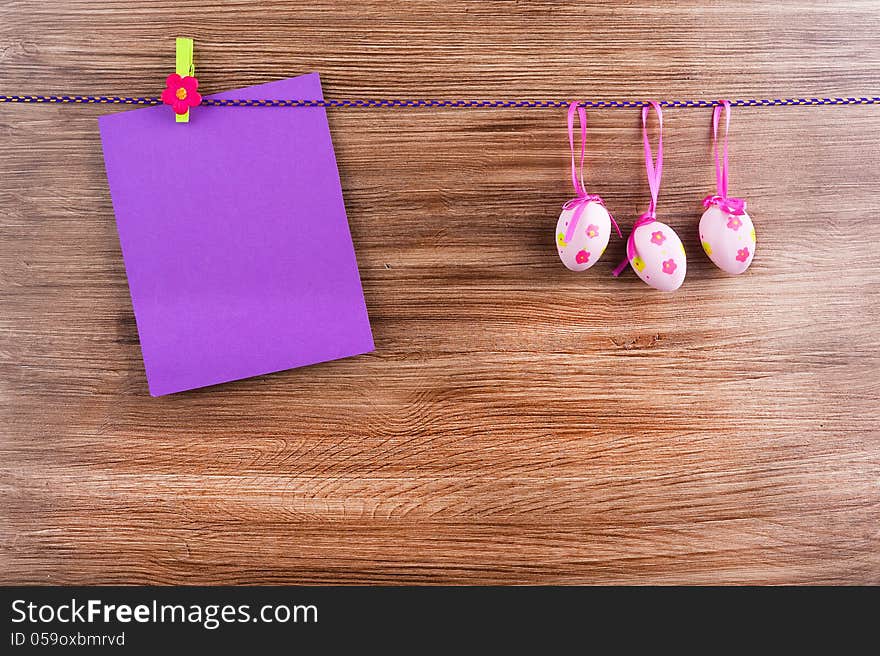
[{"x": 517, "y": 423}]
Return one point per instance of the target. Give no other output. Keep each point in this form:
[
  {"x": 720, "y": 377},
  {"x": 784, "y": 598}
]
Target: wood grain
[{"x": 517, "y": 423}]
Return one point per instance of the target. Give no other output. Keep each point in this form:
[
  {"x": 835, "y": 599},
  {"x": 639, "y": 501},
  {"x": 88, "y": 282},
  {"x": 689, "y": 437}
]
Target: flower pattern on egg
[
  {"x": 669, "y": 266},
  {"x": 658, "y": 237},
  {"x": 581, "y": 242},
  {"x": 728, "y": 239}
]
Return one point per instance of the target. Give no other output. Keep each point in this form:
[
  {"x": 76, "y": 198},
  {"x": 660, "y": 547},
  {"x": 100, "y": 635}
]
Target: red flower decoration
[
  {"x": 742, "y": 254},
  {"x": 180, "y": 93},
  {"x": 582, "y": 257},
  {"x": 669, "y": 266}
]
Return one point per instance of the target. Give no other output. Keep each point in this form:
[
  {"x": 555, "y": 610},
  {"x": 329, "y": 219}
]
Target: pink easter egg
[
  {"x": 660, "y": 258},
  {"x": 585, "y": 245},
  {"x": 728, "y": 239}
]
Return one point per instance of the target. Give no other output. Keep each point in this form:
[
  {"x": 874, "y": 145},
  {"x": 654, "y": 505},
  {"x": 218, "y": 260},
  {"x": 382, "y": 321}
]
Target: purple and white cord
[{"x": 380, "y": 103}]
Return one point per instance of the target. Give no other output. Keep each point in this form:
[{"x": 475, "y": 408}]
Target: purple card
[{"x": 235, "y": 240}]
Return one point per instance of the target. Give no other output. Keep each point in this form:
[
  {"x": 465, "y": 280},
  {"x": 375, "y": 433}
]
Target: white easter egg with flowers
[
  {"x": 728, "y": 239},
  {"x": 659, "y": 259},
  {"x": 581, "y": 247}
]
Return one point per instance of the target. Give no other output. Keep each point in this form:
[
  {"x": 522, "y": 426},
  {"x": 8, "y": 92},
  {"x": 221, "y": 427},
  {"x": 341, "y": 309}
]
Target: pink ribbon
[
  {"x": 655, "y": 173},
  {"x": 577, "y": 174},
  {"x": 736, "y": 206}
]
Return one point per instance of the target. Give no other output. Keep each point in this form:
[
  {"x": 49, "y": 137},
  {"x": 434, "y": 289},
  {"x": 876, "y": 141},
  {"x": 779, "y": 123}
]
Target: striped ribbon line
[{"x": 377, "y": 103}]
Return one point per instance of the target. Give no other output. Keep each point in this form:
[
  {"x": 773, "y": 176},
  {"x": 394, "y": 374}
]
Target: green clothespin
[{"x": 184, "y": 67}]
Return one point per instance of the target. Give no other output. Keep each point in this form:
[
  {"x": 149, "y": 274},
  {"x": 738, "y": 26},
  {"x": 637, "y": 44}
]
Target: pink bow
[
  {"x": 580, "y": 204},
  {"x": 730, "y": 205},
  {"x": 644, "y": 219}
]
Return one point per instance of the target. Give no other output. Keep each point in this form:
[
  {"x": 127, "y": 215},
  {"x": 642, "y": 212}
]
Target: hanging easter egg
[
  {"x": 653, "y": 250},
  {"x": 726, "y": 230},
  {"x": 728, "y": 239},
  {"x": 582, "y": 234},
  {"x": 659, "y": 256}
]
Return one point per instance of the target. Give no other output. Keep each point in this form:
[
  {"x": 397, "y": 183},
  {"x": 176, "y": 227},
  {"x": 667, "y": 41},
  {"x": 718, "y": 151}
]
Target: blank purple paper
[{"x": 235, "y": 240}]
